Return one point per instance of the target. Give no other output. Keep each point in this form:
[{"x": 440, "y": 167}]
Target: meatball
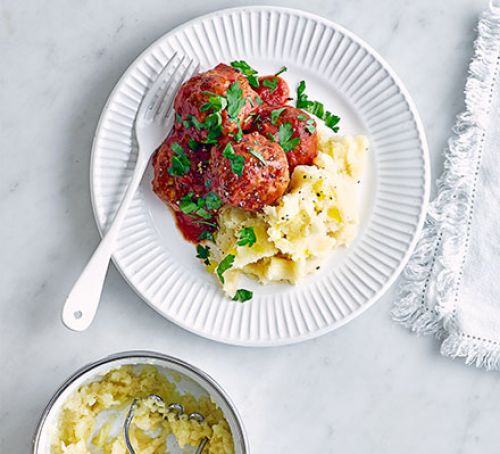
[
  {"x": 261, "y": 180},
  {"x": 214, "y": 103},
  {"x": 293, "y": 129},
  {"x": 180, "y": 166},
  {"x": 273, "y": 90}
]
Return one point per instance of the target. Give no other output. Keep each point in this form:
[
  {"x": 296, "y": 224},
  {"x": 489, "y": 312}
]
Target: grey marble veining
[{"x": 369, "y": 387}]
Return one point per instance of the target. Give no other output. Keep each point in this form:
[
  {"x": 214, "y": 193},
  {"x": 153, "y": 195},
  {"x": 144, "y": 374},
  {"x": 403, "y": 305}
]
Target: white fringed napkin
[{"x": 451, "y": 285}]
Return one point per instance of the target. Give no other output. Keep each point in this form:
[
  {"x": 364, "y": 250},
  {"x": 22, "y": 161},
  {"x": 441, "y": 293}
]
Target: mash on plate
[
  {"x": 91, "y": 419},
  {"x": 319, "y": 213}
]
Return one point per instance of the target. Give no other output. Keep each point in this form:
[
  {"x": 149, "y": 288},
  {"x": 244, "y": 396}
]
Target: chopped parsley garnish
[
  {"x": 188, "y": 205},
  {"x": 271, "y": 137},
  {"x": 285, "y": 135},
  {"x": 193, "y": 145},
  {"x": 247, "y": 71},
  {"x": 200, "y": 221},
  {"x": 213, "y": 201},
  {"x": 237, "y": 161},
  {"x": 203, "y": 253},
  {"x": 316, "y": 108},
  {"x": 275, "y": 114},
  {"x": 301, "y": 117},
  {"x": 242, "y": 295},
  {"x": 247, "y": 237},
  {"x": 202, "y": 213},
  {"x": 235, "y": 101},
  {"x": 302, "y": 98},
  {"x": 224, "y": 265},
  {"x": 258, "y": 100},
  {"x": 213, "y": 123},
  {"x": 180, "y": 161},
  {"x": 257, "y": 155},
  {"x": 208, "y": 183},
  {"x": 206, "y": 235},
  {"x": 331, "y": 121},
  {"x": 193, "y": 121},
  {"x": 282, "y": 70},
  {"x": 215, "y": 102},
  {"x": 272, "y": 84},
  {"x": 238, "y": 135},
  {"x": 178, "y": 117},
  {"x": 310, "y": 126}
]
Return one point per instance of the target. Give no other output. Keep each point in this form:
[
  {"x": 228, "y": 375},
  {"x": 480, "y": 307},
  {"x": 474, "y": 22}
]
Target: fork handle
[{"x": 82, "y": 302}]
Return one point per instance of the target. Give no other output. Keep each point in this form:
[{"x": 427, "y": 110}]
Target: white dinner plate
[{"x": 354, "y": 82}]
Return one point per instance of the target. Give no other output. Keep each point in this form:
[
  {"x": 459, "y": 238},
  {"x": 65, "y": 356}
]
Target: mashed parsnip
[
  {"x": 91, "y": 420},
  {"x": 319, "y": 213}
]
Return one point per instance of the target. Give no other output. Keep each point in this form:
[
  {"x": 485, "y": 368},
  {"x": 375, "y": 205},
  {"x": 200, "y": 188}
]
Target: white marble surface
[{"x": 370, "y": 387}]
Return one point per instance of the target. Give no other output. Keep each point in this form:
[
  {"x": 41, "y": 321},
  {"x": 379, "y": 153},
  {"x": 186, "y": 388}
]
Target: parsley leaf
[
  {"x": 187, "y": 204},
  {"x": 193, "y": 145},
  {"x": 282, "y": 70},
  {"x": 206, "y": 235},
  {"x": 237, "y": 161},
  {"x": 247, "y": 237},
  {"x": 301, "y": 117},
  {"x": 192, "y": 120},
  {"x": 331, "y": 121},
  {"x": 213, "y": 201},
  {"x": 203, "y": 253},
  {"x": 258, "y": 100},
  {"x": 272, "y": 84},
  {"x": 180, "y": 161},
  {"x": 275, "y": 114},
  {"x": 239, "y": 134},
  {"x": 208, "y": 183},
  {"x": 242, "y": 295},
  {"x": 285, "y": 137},
  {"x": 224, "y": 265},
  {"x": 301, "y": 96},
  {"x": 213, "y": 123},
  {"x": 247, "y": 71},
  {"x": 202, "y": 213},
  {"x": 215, "y": 102},
  {"x": 235, "y": 101},
  {"x": 200, "y": 221},
  {"x": 316, "y": 108},
  {"x": 257, "y": 155},
  {"x": 310, "y": 126}
]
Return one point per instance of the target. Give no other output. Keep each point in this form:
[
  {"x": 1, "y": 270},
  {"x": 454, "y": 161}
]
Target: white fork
[{"x": 153, "y": 121}]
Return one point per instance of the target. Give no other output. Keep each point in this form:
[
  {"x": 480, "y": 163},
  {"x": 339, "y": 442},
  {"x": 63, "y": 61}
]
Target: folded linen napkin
[{"x": 451, "y": 285}]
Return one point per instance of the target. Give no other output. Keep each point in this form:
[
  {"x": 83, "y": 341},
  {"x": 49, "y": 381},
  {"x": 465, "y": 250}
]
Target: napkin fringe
[
  {"x": 410, "y": 310},
  {"x": 434, "y": 260},
  {"x": 475, "y": 351}
]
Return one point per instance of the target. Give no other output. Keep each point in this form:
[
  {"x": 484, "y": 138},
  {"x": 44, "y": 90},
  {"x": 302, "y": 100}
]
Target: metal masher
[{"x": 176, "y": 408}]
